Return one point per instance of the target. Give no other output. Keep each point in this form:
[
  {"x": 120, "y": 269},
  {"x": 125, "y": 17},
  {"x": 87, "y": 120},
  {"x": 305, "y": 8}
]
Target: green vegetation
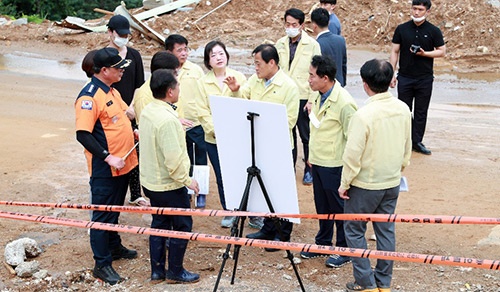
[{"x": 38, "y": 10}]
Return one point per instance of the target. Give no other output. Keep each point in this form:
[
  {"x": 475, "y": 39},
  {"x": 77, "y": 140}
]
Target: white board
[{"x": 273, "y": 153}]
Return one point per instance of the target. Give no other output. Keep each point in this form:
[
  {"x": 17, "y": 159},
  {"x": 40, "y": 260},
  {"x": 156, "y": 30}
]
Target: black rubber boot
[{"x": 157, "y": 255}]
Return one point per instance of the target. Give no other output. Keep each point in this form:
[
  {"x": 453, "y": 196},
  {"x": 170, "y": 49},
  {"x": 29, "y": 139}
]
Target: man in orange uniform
[{"x": 106, "y": 134}]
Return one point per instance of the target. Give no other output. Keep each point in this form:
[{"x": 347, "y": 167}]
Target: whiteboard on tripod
[{"x": 273, "y": 154}]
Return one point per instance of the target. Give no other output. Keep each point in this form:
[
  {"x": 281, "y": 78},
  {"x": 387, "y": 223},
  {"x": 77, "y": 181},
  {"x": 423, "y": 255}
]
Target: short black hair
[
  {"x": 426, "y": 3},
  {"x": 164, "y": 60},
  {"x": 334, "y": 2},
  {"x": 296, "y": 13},
  {"x": 268, "y": 52},
  {"x": 321, "y": 17},
  {"x": 161, "y": 81},
  {"x": 173, "y": 39},
  {"x": 377, "y": 74},
  {"x": 208, "y": 50},
  {"x": 325, "y": 66}
]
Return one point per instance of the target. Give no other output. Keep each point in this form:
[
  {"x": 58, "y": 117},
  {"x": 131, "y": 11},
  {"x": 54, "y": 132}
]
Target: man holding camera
[{"x": 416, "y": 43}]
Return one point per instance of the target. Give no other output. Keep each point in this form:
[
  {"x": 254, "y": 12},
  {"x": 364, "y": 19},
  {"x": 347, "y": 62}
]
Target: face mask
[
  {"x": 120, "y": 42},
  {"x": 292, "y": 31},
  {"x": 417, "y": 20}
]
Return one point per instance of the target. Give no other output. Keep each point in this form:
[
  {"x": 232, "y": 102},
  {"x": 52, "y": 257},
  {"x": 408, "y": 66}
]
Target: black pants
[
  {"x": 196, "y": 136},
  {"x": 176, "y": 199},
  {"x": 416, "y": 93},
  {"x": 106, "y": 191},
  {"x": 270, "y": 229},
  {"x": 327, "y": 201},
  {"x": 213, "y": 154},
  {"x": 303, "y": 126}
]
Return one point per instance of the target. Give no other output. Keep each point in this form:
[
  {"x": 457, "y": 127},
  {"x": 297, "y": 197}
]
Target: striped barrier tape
[
  {"x": 396, "y": 218},
  {"x": 222, "y": 239}
]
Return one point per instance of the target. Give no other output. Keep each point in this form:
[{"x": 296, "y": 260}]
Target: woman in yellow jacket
[{"x": 215, "y": 82}]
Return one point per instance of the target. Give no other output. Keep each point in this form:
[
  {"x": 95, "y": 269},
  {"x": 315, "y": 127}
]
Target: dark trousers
[
  {"x": 213, "y": 154},
  {"x": 416, "y": 93},
  {"x": 106, "y": 191},
  {"x": 303, "y": 126},
  {"x": 327, "y": 201},
  {"x": 176, "y": 199},
  {"x": 134, "y": 181},
  {"x": 196, "y": 135},
  {"x": 270, "y": 229}
]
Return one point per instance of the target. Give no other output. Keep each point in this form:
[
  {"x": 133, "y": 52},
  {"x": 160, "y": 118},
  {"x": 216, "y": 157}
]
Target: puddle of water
[
  {"x": 451, "y": 87},
  {"x": 34, "y": 64}
]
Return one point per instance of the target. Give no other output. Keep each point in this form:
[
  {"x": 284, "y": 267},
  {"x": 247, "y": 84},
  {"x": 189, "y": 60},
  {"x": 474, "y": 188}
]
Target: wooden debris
[
  {"x": 211, "y": 11},
  {"x": 139, "y": 25},
  {"x": 9, "y": 268},
  {"x": 103, "y": 11}
]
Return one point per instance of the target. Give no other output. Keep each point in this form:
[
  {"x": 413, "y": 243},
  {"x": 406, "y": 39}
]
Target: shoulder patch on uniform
[{"x": 87, "y": 104}]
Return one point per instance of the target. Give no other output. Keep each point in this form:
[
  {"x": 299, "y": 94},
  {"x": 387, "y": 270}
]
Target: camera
[{"x": 414, "y": 49}]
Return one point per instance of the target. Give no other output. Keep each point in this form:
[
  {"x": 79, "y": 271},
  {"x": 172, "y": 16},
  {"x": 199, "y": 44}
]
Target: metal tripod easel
[{"x": 252, "y": 172}]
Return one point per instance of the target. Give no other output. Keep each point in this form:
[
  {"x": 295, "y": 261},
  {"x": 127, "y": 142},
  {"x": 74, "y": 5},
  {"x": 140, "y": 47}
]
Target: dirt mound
[{"x": 470, "y": 27}]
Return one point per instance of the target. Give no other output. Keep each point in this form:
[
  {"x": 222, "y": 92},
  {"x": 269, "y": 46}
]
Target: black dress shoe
[
  {"x": 260, "y": 235},
  {"x": 123, "y": 253},
  {"x": 420, "y": 148},
  {"x": 107, "y": 274}
]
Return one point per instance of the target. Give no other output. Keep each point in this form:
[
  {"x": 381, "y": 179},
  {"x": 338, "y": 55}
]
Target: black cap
[
  {"x": 120, "y": 24},
  {"x": 109, "y": 57}
]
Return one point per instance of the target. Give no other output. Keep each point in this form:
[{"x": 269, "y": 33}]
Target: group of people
[{"x": 352, "y": 157}]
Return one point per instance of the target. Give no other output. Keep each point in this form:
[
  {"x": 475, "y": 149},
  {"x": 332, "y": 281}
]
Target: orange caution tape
[
  {"x": 344, "y": 251},
  {"x": 396, "y": 218}
]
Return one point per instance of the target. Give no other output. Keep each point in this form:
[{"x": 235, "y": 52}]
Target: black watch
[{"x": 105, "y": 153}]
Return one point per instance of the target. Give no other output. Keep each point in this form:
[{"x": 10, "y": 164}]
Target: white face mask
[
  {"x": 292, "y": 31},
  {"x": 120, "y": 42},
  {"x": 417, "y": 20}
]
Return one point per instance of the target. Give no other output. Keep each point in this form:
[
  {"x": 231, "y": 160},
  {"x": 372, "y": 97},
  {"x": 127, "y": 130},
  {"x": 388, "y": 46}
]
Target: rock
[
  {"x": 20, "y": 21},
  {"x": 27, "y": 269},
  {"x": 42, "y": 274},
  {"x": 483, "y": 49},
  {"x": 17, "y": 250},
  {"x": 31, "y": 247},
  {"x": 280, "y": 267},
  {"x": 494, "y": 237},
  {"x": 287, "y": 277},
  {"x": 14, "y": 253},
  {"x": 448, "y": 25},
  {"x": 2, "y": 21}
]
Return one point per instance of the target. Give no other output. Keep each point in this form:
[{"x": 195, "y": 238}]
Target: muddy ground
[{"x": 41, "y": 161}]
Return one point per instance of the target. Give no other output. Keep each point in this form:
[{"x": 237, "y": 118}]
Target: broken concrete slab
[
  {"x": 164, "y": 9},
  {"x": 18, "y": 250},
  {"x": 76, "y": 23}
]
